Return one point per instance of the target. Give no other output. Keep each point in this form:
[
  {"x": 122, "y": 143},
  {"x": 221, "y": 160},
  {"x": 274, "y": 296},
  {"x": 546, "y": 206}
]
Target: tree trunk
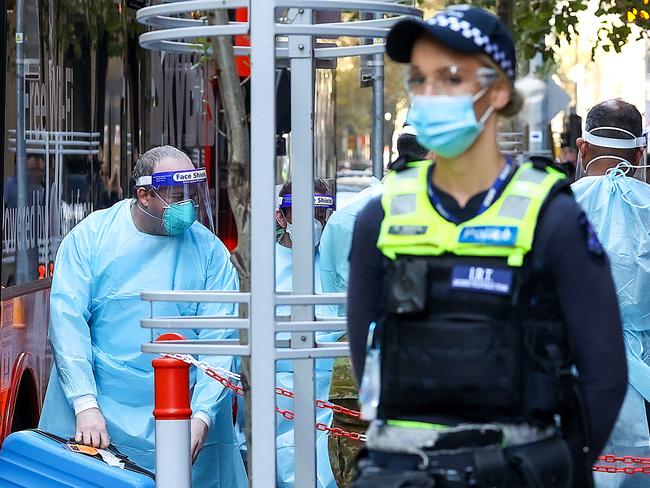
[
  {"x": 239, "y": 168},
  {"x": 505, "y": 11}
]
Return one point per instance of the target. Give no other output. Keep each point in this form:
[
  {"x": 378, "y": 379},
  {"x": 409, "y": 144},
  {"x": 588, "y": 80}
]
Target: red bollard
[{"x": 173, "y": 413}]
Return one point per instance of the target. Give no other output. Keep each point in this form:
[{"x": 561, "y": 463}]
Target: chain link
[
  {"x": 338, "y": 408},
  {"x": 225, "y": 382},
  {"x": 282, "y": 392},
  {"x": 218, "y": 374},
  {"x": 336, "y": 432},
  {"x": 287, "y": 414},
  {"x": 221, "y": 375},
  {"x": 609, "y": 458},
  {"x": 203, "y": 365},
  {"x": 624, "y": 470}
]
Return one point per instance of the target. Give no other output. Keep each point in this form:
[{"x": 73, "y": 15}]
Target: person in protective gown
[
  {"x": 334, "y": 250},
  {"x": 613, "y": 192},
  {"x": 101, "y": 386},
  {"x": 323, "y": 205},
  {"x": 482, "y": 315}
]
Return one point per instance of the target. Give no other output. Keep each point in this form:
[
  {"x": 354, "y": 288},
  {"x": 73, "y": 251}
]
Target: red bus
[{"x": 81, "y": 101}]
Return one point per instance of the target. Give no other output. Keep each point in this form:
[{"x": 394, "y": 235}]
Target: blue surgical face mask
[{"x": 445, "y": 124}]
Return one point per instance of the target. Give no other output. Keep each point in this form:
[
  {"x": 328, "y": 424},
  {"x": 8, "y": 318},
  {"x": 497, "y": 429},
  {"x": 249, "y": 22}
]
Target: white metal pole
[
  {"x": 302, "y": 189},
  {"x": 172, "y": 413},
  {"x": 262, "y": 309},
  {"x": 173, "y": 462},
  {"x": 378, "y": 116}
]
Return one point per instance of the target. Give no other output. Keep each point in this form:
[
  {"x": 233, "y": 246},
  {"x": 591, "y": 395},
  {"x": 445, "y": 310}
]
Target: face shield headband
[
  {"x": 639, "y": 171},
  {"x": 173, "y": 178},
  {"x": 320, "y": 201},
  {"x": 185, "y": 197},
  {"x": 614, "y": 143}
]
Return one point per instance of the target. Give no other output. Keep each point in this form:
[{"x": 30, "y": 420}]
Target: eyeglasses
[{"x": 451, "y": 80}]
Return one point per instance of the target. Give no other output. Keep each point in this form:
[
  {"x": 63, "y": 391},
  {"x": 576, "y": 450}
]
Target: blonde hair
[{"x": 516, "y": 102}]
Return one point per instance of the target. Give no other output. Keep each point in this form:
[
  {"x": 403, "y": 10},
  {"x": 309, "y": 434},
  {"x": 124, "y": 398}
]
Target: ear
[
  {"x": 636, "y": 159},
  {"x": 280, "y": 219},
  {"x": 582, "y": 146},
  {"x": 142, "y": 195},
  {"x": 500, "y": 93}
]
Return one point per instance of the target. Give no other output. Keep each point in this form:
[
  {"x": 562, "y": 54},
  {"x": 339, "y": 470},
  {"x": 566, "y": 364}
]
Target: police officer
[{"x": 482, "y": 316}]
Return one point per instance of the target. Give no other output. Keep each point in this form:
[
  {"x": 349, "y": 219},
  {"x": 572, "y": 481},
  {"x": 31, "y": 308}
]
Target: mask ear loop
[
  {"x": 137, "y": 203},
  {"x": 623, "y": 164},
  {"x": 160, "y": 198},
  {"x": 623, "y": 160},
  {"x": 490, "y": 109}
]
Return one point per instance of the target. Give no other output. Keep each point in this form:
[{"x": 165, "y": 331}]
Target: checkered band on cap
[{"x": 468, "y": 31}]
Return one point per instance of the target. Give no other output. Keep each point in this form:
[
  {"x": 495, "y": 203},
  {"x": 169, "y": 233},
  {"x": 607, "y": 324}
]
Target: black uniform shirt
[{"x": 566, "y": 248}]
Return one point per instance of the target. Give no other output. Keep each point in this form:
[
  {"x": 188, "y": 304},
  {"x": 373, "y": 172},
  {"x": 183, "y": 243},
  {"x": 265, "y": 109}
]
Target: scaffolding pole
[{"x": 262, "y": 309}]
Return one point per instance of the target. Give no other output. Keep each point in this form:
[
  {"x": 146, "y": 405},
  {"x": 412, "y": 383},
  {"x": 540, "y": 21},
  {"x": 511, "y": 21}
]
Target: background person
[
  {"x": 472, "y": 271},
  {"x": 323, "y": 206},
  {"x": 334, "y": 270},
  {"x": 618, "y": 206},
  {"x": 568, "y": 157},
  {"x": 101, "y": 388},
  {"x": 35, "y": 171}
]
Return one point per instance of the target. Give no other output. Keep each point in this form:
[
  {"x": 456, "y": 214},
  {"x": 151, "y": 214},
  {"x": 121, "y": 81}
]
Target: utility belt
[
  {"x": 397, "y": 437},
  {"x": 463, "y": 457}
]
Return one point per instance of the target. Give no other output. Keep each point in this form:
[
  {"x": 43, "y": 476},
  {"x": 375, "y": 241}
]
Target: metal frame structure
[{"x": 174, "y": 30}]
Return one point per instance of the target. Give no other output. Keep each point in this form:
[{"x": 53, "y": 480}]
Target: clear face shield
[
  {"x": 324, "y": 205},
  {"x": 624, "y": 167},
  {"x": 184, "y": 196}
]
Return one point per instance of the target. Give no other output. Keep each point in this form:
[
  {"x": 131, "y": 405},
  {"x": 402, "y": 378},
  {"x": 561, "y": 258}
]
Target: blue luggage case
[{"x": 35, "y": 459}]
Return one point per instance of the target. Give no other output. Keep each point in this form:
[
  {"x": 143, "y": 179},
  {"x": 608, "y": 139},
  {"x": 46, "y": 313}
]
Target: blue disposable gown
[
  {"x": 619, "y": 210},
  {"x": 102, "y": 266},
  {"x": 336, "y": 242},
  {"x": 284, "y": 379}
]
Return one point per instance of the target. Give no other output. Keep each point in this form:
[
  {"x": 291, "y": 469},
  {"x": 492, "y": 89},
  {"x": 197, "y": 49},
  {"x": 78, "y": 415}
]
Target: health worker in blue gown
[
  {"x": 323, "y": 206},
  {"x": 612, "y": 190},
  {"x": 101, "y": 387},
  {"x": 337, "y": 236}
]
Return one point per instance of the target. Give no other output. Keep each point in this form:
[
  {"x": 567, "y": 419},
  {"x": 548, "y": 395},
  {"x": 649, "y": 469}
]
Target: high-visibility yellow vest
[{"x": 412, "y": 226}]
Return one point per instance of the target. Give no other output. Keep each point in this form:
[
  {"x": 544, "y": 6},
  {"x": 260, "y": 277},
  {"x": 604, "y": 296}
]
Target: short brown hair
[{"x": 516, "y": 102}]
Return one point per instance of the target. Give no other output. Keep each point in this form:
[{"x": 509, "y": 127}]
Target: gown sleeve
[
  {"x": 209, "y": 395},
  {"x": 70, "y": 299}
]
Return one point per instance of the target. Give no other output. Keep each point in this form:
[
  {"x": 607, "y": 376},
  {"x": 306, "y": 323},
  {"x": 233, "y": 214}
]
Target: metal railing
[{"x": 175, "y": 29}]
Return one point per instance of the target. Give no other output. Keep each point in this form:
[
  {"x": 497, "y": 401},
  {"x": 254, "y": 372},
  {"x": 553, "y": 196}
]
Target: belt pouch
[
  {"x": 490, "y": 465},
  {"x": 543, "y": 464}
]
